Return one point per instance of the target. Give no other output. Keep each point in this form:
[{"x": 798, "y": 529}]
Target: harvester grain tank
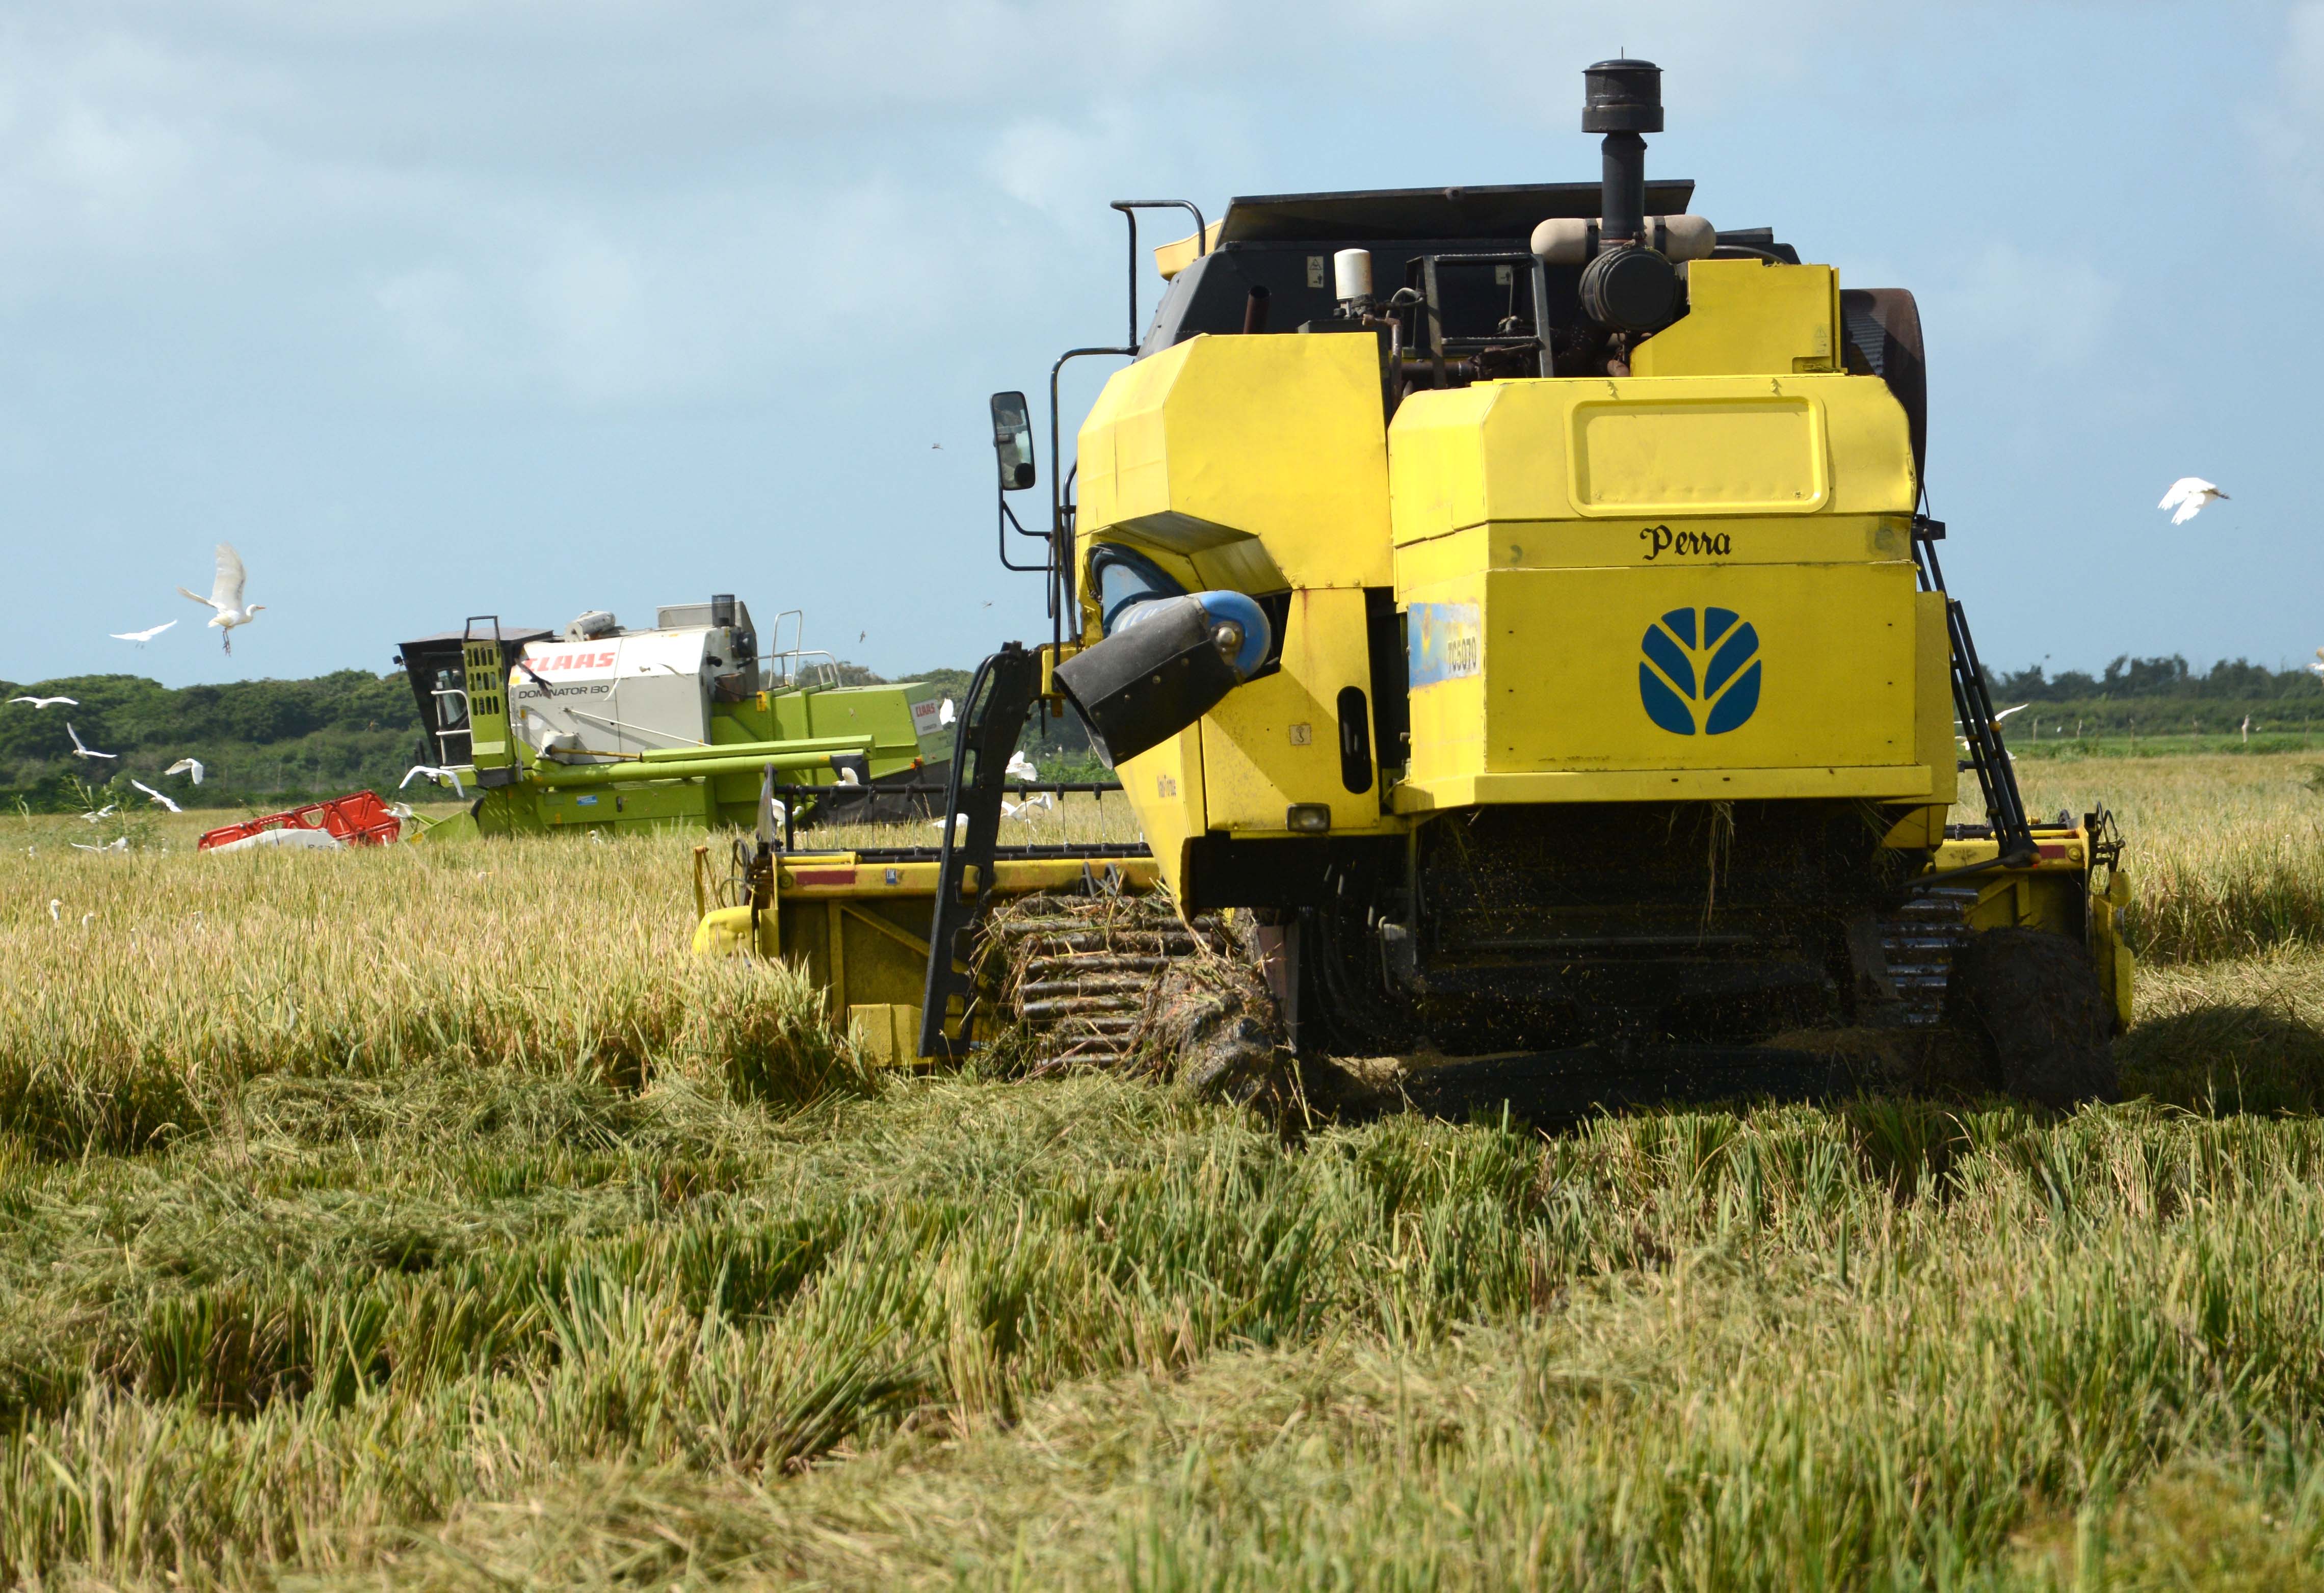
[
  {"x": 687, "y": 722},
  {"x": 1516, "y": 604}
]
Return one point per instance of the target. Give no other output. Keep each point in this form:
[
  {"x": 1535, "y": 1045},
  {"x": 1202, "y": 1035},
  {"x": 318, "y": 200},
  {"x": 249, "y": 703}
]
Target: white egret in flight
[
  {"x": 225, "y": 595},
  {"x": 439, "y": 775},
  {"x": 81, "y": 750},
  {"x": 2188, "y": 495}
]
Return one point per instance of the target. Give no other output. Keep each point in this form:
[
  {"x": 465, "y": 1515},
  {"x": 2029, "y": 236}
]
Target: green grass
[
  {"x": 2182, "y": 745},
  {"x": 1084, "y": 1333},
  {"x": 427, "y": 1218}
]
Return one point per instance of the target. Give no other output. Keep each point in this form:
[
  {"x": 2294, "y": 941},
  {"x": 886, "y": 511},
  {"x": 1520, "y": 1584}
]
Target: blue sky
[{"x": 436, "y": 308}]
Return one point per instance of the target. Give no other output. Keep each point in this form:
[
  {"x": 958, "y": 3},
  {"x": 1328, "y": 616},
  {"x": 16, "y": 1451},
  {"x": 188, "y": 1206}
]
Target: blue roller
[
  {"x": 1217, "y": 608},
  {"x": 1257, "y": 635},
  {"x": 1161, "y": 666}
]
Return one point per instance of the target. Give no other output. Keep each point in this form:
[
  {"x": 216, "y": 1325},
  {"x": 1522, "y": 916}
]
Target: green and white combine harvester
[{"x": 686, "y": 724}]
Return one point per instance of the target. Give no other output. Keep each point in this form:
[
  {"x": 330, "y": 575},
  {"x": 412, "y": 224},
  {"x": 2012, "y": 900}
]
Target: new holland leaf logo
[{"x": 1713, "y": 681}]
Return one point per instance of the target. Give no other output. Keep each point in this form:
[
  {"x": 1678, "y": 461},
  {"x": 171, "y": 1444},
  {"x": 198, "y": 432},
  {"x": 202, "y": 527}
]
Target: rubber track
[
  {"x": 1921, "y": 939},
  {"x": 1081, "y": 981}
]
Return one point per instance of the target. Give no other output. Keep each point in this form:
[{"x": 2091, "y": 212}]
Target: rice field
[{"x": 426, "y": 1218}]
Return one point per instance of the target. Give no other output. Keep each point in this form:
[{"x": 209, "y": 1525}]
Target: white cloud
[
  {"x": 585, "y": 299},
  {"x": 429, "y": 308},
  {"x": 603, "y": 201},
  {"x": 1041, "y": 163},
  {"x": 2288, "y": 129},
  {"x": 2050, "y": 312},
  {"x": 707, "y": 292}
]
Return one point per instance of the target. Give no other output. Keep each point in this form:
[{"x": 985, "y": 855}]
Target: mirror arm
[
  {"x": 1010, "y": 515},
  {"x": 1008, "y": 519}
]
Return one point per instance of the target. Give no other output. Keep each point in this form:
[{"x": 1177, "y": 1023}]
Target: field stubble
[{"x": 429, "y": 1217}]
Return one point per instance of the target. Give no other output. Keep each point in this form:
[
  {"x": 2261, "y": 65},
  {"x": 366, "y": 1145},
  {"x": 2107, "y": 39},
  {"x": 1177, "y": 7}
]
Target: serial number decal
[
  {"x": 521, "y": 686},
  {"x": 1446, "y": 642},
  {"x": 1661, "y": 540}
]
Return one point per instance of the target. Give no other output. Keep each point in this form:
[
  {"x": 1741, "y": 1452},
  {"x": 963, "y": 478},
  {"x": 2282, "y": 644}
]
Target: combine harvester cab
[
  {"x": 600, "y": 728},
  {"x": 1515, "y": 604}
]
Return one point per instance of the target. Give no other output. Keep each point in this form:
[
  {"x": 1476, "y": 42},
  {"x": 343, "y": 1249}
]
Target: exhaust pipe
[
  {"x": 1628, "y": 285},
  {"x": 1622, "y": 100}
]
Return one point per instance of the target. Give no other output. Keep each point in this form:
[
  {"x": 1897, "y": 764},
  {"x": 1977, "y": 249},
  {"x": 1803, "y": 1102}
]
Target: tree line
[
  {"x": 2129, "y": 677},
  {"x": 285, "y": 740}
]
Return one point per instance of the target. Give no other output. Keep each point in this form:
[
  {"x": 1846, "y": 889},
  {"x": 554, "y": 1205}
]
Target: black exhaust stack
[
  {"x": 1628, "y": 285},
  {"x": 1622, "y": 100}
]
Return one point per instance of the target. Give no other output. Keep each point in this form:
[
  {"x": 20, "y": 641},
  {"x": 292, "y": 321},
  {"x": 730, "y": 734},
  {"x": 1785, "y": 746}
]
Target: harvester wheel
[{"x": 2033, "y": 1002}]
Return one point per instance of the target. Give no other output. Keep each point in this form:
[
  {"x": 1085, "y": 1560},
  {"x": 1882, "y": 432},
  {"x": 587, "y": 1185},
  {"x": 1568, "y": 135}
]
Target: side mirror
[{"x": 1013, "y": 440}]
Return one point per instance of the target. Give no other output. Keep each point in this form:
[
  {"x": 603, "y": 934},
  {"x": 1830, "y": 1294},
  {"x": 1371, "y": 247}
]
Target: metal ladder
[{"x": 1997, "y": 777}]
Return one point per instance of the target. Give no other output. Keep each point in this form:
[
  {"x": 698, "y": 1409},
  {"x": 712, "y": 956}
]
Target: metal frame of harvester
[{"x": 1518, "y": 603}]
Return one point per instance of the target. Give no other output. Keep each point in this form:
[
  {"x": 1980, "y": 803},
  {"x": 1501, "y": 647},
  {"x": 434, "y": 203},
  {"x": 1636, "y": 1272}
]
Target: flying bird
[
  {"x": 189, "y": 766},
  {"x": 142, "y": 637},
  {"x": 94, "y": 813},
  {"x": 81, "y": 750},
  {"x": 118, "y": 844},
  {"x": 157, "y": 795},
  {"x": 433, "y": 773},
  {"x": 2188, "y": 495},
  {"x": 39, "y": 702},
  {"x": 2005, "y": 712},
  {"x": 225, "y": 595},
  {"x": 1020, "y": 768}
]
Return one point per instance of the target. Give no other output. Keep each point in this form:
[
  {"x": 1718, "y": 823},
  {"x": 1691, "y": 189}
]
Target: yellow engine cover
[
  {"x": 1695, "y": 587},
  {"x": 1251, "y": 462}
]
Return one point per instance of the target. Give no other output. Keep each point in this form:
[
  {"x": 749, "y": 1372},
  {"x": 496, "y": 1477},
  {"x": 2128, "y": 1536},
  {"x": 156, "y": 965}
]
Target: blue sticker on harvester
[{"x": 1446, "y": 642}]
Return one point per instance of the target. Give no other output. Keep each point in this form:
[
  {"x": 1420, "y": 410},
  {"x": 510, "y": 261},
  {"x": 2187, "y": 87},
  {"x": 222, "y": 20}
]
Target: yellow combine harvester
[{"x": 1516, "y": 602}]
